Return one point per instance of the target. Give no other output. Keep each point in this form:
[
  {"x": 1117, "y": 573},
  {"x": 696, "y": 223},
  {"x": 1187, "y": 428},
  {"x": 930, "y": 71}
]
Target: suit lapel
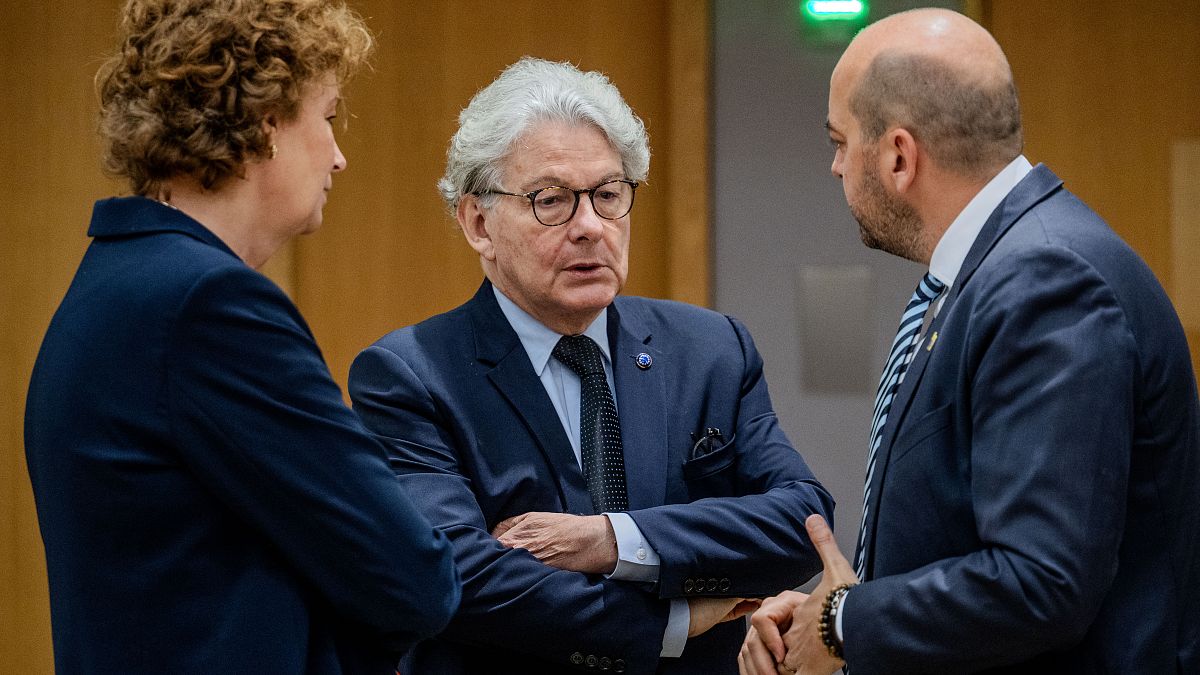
[
  {"x": 497, "y": 345},
  {"x": 641, "y": 405},
  {"x": 1035, "y": 187}
]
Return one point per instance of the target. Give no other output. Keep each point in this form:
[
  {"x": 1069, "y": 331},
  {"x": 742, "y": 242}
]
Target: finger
[
  {"x": 743, "y": 667},
  {"x": 746, "y": 606},
  {"x": 781, "y": 606},
  {"x": 755, "y": 655},
  {"x": 827, "y": 548},
  {"x": 505, "y": 525},
  {"x": 768, "y": 633},
  {"x": 741, "y": 609}
]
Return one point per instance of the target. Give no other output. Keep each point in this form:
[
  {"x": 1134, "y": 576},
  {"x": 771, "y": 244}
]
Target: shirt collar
[
  {"x": 955, "y": 244},
  {"x": 538, "y": 340}
]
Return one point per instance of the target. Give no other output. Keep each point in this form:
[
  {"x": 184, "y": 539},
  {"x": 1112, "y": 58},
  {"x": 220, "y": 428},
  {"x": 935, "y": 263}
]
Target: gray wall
[{"x": 788, "y": 260}]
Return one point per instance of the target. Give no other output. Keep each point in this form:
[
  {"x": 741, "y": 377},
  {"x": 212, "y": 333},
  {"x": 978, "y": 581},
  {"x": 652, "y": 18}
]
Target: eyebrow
[
  {"x": 548, "y": 180},
  {"x": 830, "y": 128}
]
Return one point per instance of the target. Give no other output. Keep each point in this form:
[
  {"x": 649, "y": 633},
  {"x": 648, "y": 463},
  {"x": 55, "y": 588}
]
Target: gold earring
[{"x": 274, "y": 150}]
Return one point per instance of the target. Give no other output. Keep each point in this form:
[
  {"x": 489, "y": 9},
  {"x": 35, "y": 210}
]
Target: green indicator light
[{"x": 837, "y": 10}]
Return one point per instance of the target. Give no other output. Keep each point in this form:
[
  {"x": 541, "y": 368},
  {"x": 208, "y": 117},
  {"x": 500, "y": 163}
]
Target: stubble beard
[{"x": 887, "y": 222}]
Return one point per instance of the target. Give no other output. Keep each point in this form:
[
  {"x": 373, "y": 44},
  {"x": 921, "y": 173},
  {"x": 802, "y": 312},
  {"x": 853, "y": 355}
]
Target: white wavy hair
[{"x": 528, "y": 92}]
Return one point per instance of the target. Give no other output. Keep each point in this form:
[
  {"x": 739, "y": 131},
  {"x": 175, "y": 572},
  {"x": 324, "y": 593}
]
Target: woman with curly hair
[{"x": 208, "y": 503}]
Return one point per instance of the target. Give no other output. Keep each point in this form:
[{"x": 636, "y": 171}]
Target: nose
[
  {"x": 836, "y": 167},
  {"x": 585, "y": 224},
  {"x": 339, "y": 160}
]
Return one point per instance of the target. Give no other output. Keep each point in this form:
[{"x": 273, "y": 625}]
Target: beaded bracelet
[{"x": 825, "y": 627}]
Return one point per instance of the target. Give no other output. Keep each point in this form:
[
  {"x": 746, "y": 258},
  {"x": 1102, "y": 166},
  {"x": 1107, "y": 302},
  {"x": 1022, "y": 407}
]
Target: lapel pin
[
  {"x": 643, "y": 361},
  {"x": 932, "y": 339}
]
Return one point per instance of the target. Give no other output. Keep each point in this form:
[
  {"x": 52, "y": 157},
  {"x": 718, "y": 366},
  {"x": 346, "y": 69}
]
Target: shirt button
[{"x": 641, "y": 554}]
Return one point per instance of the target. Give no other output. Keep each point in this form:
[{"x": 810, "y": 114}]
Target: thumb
[{"x": 831, "y": 556}]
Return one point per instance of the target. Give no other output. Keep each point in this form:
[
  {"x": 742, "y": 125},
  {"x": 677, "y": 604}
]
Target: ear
[
  {"x": 270, "y": 127},
  {"x": 474, "y": 220},
  {"x": 899, "y": 158}
]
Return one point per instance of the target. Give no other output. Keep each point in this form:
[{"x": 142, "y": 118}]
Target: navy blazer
[
  {"x": 207, "y": 501},
  {"x": 1038, "y": 473},
  {"x": 474, "y": 437}
]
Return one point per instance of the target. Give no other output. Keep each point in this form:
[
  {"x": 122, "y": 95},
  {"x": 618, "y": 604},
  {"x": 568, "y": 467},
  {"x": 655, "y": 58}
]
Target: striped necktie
[
  {"x": 903, "y": 349},
  {"x": 599, "y": 429}
]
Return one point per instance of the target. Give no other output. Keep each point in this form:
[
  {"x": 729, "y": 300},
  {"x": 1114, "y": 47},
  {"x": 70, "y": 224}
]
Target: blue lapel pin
[{"x": 643, "y": 361}]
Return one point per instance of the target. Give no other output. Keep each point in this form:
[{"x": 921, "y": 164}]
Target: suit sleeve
[
  {"x": 756, "y": 539},
  {"x": 264, "y": 428},
  {"x": 510, "y": 600},
  {"x": 1050, "y": 369}
]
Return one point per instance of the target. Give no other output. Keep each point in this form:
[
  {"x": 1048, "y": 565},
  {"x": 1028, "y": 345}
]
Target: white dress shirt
[{"x": 636, "y": 559}]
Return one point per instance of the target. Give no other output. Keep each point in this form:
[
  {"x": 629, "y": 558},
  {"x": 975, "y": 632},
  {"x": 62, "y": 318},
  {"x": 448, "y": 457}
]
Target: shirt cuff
[
  {"x": 678, "y": 622},
  {"x": 837, "y": 624},
  {"x": 636, "y": 559}
]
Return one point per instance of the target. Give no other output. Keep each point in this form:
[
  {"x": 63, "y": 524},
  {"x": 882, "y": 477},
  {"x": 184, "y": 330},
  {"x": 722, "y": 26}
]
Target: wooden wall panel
[
  {"x": 1107, "y": 87},
  {"x": 388, "y": 254},
  {"x": 49, "y": 53}
]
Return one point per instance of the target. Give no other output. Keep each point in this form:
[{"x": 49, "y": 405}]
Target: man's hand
[
  {"x": 806, "y": 653},
  {"x": 799, "y": 649},
  {"x": 763, "y": 647},
  {"x": 568, "y": 542},
  {"x": 708, "y": 612}
]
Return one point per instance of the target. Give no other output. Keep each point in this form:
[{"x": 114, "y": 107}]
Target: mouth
[{"x": 585, "y": 267}]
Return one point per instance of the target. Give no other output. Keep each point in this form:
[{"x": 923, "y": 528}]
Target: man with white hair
[{"x": 609, "y": 469}]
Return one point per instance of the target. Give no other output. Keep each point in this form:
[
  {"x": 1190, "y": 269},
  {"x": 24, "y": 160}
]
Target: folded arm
[{"x": 511, "y": 599}]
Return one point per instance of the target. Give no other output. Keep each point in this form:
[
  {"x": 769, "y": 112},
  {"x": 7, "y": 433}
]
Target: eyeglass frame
[{"x": 591, "y": 193}]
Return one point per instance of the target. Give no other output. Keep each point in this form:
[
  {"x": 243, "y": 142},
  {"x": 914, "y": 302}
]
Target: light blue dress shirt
[{"x": 636, "y": 560}]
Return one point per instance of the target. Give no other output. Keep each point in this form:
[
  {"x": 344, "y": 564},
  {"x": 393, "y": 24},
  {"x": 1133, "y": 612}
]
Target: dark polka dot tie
[{"x": 599, "y": 428}]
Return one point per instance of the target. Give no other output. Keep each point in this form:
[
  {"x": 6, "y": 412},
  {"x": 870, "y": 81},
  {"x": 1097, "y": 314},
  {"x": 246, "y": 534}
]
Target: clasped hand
[{"x": 783, "y": 637}]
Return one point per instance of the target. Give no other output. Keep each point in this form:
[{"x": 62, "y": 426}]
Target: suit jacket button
[
  {"x": 724, "y": 585},
  {"x": 605, "y": 663},
  {"x": 577, "y": 658},
  {"x": 712, "y": 585},
  {"x": 619, "y": 665},
  {"x": 591, "y": 658},
  {"x": 687, "y": 585}
]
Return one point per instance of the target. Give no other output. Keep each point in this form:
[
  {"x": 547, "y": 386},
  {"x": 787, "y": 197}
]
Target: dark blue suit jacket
[
  {"x": 1040, "y": 467},
  {"x": 475, "y": 439},
  {"x": 208, "y": 503}
]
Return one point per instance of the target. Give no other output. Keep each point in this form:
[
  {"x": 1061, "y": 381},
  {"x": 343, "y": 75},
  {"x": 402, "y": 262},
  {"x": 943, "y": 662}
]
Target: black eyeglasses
[{"x": 556, "y": 205}]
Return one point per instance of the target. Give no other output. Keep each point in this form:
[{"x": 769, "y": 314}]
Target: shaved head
[{"x": 942, "y": 77}]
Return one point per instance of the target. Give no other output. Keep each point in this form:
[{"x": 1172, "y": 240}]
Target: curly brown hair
[{"x": 193, "y": 80}]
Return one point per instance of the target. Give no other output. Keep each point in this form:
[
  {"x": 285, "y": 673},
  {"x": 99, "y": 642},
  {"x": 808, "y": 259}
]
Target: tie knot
[
  {"x": 580, "y": 354},
  {"x": 929, "y": 288}
]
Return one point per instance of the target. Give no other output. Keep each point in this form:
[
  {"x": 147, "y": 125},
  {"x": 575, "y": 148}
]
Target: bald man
[{"x": 1032, "y": 476}]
